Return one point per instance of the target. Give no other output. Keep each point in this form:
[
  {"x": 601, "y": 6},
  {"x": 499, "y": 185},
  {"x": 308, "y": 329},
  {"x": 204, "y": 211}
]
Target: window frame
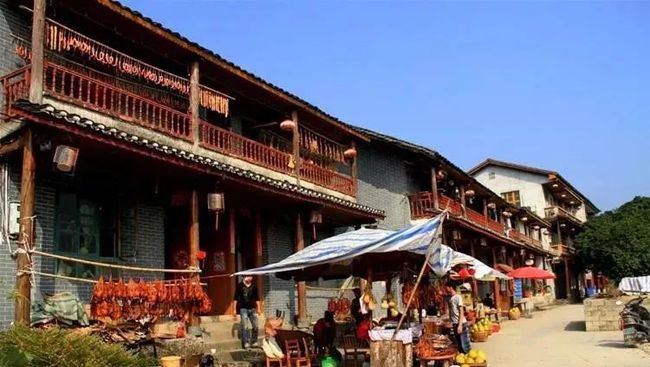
[{"x": 516, "y": 203}]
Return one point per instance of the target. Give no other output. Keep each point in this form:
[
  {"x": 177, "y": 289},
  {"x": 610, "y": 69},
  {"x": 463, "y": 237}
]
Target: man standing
[
  {"x": 358, "y": 308},
  {"x": 457, "y": 318},
  {"x": 247, "y": 305}
]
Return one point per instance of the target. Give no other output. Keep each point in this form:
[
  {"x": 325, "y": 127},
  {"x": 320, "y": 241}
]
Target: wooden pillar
[
  {"x": 559, "y": 235},
  {"x": 475, "y": 294},
  {"x": 26, "y": 236},
  {"x": 462, "y": 201},
  {"x": 354, "y": 170},
  {"x": 194, "y": 242},
  {"x": 296, "y": 146},
  {"x": 302, "y": 293},
  {"x": 259, "y": 256},
  {"x": 230, "y": 257},
  {"x": 496, "y": 284},
  {"x": 434, "y": 188},
  {"x": 195, "y": 96},
  {"x": 567, "y": 278},
  {"x": 485, "y": 208},
  {"x": 38, "y": 52}
]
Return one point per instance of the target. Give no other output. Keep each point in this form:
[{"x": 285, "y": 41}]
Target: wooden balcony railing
[
  {"x": 453, "y": 206},
  {"x": 421, "y": 204},
  {"x": 88, "y": 91},
  {"x": 96, "y": 95},
  {"x": 328, "y": 178},
  {"x": 229, "y": 143},
  {"x": 562, "y": 248},
  {"x": 476, "y": 217},
  {"x": 496, "y": 226},
  {"x": 556, "y": 211},
  {"x": 15, "y": 86}
]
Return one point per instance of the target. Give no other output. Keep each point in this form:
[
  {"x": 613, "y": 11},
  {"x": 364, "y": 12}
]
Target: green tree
[{"x": 617, "y": 242}]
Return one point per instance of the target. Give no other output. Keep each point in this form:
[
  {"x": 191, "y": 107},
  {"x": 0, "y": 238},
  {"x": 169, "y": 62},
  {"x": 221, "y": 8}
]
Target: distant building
[{"x": 550, "y": 196}]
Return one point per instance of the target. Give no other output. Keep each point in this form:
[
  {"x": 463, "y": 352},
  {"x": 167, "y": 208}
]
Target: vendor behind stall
[
  {"x": 325, "y": 332},
  {"x": 358, "y": 309},
  {"x": 460, "y": 329}
]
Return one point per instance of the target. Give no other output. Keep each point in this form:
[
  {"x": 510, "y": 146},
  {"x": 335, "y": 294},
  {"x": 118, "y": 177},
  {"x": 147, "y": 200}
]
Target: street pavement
[{"x": 557, "y": 337}]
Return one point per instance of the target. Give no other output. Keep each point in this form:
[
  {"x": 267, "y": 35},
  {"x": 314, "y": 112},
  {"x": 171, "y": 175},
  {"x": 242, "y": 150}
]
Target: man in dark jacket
[{"x": 247, "y": 305}]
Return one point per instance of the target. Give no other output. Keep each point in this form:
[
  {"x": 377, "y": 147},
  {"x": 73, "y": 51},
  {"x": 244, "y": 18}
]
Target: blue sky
[{"x": 557, "y": 85}]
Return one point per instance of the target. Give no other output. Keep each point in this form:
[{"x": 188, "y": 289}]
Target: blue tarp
[{"x": 347, "y": 246}]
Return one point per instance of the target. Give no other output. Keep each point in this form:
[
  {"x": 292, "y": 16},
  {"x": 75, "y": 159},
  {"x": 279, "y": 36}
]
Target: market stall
[{"x": 414, "y": 255}]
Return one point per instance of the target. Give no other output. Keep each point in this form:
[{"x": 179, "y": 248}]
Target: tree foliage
[{"x": 617, "y": 242}]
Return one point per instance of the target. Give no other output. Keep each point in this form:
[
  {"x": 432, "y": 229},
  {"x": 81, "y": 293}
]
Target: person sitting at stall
[
  {"x": 363, "y": 328},
  {"x": 358, "y": 308},
  {"x": 325, "y": 332},
  {"x": 487, "y": 301},
  {"x": 460, "y": 329}
]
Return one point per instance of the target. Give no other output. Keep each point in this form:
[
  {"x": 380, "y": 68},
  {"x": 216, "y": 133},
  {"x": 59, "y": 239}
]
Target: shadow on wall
[{"x": 575, "y": 326}]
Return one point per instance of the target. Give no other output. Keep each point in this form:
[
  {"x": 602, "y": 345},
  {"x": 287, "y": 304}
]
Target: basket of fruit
[
  {"x": 475, "y": 358},
  {"x": 485, "y": 324},
  {"x": 514, "y": 313},
  {"x": 479, "y": 336}
]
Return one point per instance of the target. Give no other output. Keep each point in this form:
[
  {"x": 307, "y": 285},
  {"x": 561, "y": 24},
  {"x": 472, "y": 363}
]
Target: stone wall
[{"x": 602, "y": 314}]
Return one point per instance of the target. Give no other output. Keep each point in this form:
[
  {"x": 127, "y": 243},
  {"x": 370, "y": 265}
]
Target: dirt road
[{"x": 557, "y": 338}]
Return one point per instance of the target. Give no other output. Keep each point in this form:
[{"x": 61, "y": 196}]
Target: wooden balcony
[
  {"x": 87, "y": 90},
  {"x": 563, "y": 249},
  {"x": 556, "y": 212},
  {"x": 422, "y": 206}
]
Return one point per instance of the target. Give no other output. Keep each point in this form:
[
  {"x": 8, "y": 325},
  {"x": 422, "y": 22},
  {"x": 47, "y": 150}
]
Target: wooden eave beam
[{"x": 12, "y": 146}]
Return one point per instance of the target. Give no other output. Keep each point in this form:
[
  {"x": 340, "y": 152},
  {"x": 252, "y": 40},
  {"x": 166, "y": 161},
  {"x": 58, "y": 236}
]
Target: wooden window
[
  {"x": 492, "y": 175},
  {"x": 86, "y": 227},
  {"x": 512, "y": 197}
]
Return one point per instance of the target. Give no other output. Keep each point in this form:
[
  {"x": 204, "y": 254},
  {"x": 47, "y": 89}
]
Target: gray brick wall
[
  {"x": 12, "y": 21},
  {"x": 278, "y": 243},
  {"x": 143, "y": 242},
  {"x": 383, "y": 182}
]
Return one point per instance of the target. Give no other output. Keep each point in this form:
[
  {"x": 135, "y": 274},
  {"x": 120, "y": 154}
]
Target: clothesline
[
  {"x": 115, "y": 266},
  {"x": 82, "y": 280}
]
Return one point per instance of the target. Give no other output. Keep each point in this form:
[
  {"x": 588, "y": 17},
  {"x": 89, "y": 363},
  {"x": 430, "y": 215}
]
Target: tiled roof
[{"x": 73, "y": 119}]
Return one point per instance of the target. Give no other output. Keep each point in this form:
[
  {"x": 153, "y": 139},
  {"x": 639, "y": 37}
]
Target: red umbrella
[{"x": 529, "y": 272}]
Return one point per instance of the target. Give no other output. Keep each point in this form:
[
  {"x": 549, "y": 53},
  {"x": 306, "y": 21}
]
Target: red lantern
[
  {"x": 463, "y": 273},
  {"x": 201, "y": 255}
]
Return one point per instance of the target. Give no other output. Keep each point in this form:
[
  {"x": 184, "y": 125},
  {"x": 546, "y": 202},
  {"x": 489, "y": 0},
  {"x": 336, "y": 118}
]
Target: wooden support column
[
  {"x": 230, "y": 256},
  {"x": 302, "y": 293},
  {"x": 485, "y": 208},
  {"x": 26, "y": 236},
  {"x": 354, "y": 169},
  {"x": 194, "y": 242},
  {"x": 259, "y": 259},
  {"x": 38, "y": 53},
  {"x": 462, "y": 201},
  {"x": 496, "y": 284},
  {"x": 434, "y": 188},
  {"x": 567, "y": 278},
  {"x": 194, "y": 101},
  {"x": 296, "y": 147},
  {"x": 475, "y": 294}
]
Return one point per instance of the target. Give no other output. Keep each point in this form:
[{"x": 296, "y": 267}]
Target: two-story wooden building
[{"x": 115, "y": 133}]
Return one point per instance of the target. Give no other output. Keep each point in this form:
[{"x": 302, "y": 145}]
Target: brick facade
[{"x": 141, "y": 245}]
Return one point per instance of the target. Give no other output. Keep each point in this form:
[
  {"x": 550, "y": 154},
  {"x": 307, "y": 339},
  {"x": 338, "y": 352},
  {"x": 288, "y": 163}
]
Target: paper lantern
[
  {"x": 201, "y": 255},
  {"x": 288, "y": 125},
  {"x": 315, "y": 217},
  {"x": 492, "y": 205},
  {"x": 469, "y": 193},
  {"x": 350, "y": 153},
  {"x": 216, "y": 204},
  {"x": 507, "y": 214},
  {"x": 65, "y": 158}
]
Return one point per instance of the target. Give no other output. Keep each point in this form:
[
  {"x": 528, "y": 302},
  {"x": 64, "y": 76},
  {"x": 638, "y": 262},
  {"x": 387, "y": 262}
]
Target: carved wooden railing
[
  {"x": 103, "y": 97},
  {"x": 452, "y": 206},
  {"x": 421, "y": 204},
  {"x": 15, "y": 86},
  {"x": 556, "y": 211},
  {"x": 229, "y": 143},
  {"x": 496, "y": 226},
  {"x": 476, "y": 217},
  {"x": 328, "y": 178}
]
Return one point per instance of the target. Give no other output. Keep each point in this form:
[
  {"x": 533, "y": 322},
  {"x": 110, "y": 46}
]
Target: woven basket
[{"x": 479, "y": 336}]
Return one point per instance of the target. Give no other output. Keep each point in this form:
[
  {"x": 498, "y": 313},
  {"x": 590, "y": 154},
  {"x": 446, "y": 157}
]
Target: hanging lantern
[
  {"x": 288, "y": 125},
  {"x": 536, "y": 227},
  {"x": 65, "y": 158},
  {"x": 555, "y": 186},
  {"x": 507, "y": 214},
  {"x": 441, "y": 174},
  {"x": 469, "y": 193},
  {"x": 524, "y": 219},
  {"x": 455, "y": 234},
  {"x": 315, "y": 217},
  {"x": 350, "y": 153},
  {"x": 562, "y": 225},
  {"x": 529, "y": 262},
  {"x": 313, "y": 146},
  {"x": 201, "y": 255},
  {"x": 483, "y": 242},
  {"x": 492, "y": 205},
  {"x": 217, "y": 205}
]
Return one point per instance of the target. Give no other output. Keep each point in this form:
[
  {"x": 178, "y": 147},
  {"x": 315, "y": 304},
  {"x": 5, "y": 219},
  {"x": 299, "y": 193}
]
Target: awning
[
  {"x": 351, "y": 245},
  {"x": 504, "y": 268},
  {"x": 635, "y": 285},
  {"x": 333, "y": 257}
]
